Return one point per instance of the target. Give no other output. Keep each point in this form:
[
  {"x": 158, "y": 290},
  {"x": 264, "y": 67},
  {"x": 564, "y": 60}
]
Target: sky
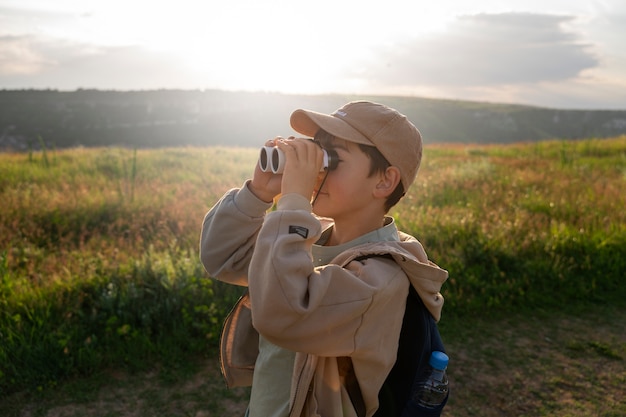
[{"x": 568, "y": 54}]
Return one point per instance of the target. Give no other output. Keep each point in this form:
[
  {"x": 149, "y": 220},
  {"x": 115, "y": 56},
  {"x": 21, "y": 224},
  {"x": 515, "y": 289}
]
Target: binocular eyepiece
[{"x": 273, "y": 159}]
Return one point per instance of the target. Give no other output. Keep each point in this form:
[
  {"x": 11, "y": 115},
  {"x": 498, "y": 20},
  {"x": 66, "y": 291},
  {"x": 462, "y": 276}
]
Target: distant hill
[{"x": 211, "y": 117}]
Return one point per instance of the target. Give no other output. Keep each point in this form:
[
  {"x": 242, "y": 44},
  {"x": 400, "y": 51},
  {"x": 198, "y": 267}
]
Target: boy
[{"x": 327, "y": 271}]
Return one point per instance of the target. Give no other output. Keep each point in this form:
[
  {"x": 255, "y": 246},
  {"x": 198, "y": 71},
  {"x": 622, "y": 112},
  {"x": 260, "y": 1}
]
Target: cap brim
[{"x": 309, "y": 122}]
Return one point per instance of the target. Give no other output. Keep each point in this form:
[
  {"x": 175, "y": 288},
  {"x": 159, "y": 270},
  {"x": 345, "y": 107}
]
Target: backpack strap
[
  {"x": 419, "y": 336},
  {"x": 346, "y": 371}
]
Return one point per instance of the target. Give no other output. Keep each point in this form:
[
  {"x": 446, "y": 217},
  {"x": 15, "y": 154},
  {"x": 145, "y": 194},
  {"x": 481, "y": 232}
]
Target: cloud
[
  {"x": 486, "y": 50},
  {"x": 17, "y": 56},
  {"x": 532, "y": 58},
  {"x": 33, "y": 62}
]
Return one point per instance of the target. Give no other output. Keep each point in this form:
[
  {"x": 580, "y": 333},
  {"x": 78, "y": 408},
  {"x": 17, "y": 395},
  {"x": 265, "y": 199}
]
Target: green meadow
[{"x": 99, "y": 265}]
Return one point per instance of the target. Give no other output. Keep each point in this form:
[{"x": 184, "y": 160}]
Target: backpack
[{"x": 419, "y": 336}]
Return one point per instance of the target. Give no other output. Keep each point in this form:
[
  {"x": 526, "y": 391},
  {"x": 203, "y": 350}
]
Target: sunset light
[{"x": 552, "y": 53}]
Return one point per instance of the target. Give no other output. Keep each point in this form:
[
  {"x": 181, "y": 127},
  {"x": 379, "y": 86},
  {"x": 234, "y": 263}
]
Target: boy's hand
[{"x": 303, "y": 160}]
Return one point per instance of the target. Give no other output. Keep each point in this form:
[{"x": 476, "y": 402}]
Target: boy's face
[{"x": 347, "y": 189}]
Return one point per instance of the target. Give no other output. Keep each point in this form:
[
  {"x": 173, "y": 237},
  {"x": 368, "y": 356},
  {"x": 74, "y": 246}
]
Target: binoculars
[{"x": 273, "y": 159}]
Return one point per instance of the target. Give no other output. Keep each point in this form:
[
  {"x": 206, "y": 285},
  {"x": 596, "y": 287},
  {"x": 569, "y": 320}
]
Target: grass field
[{"x": 100, "y": 283}]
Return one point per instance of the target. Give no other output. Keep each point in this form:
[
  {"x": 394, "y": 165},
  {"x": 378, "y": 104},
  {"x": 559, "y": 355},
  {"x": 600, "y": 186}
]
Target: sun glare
[
  {"x": 248, "y": 44},
  {"x": 245, "y": 44},
  {"x": 238, "y": 45}
]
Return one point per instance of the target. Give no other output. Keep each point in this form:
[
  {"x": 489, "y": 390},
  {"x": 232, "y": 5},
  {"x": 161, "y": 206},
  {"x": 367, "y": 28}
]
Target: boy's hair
[{"x": 378, "y": 164}]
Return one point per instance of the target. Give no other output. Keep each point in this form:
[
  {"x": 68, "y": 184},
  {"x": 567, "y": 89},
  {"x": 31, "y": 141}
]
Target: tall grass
[
  {"x": 98, "y": 247},
  {"x": 524, "y": 225}
]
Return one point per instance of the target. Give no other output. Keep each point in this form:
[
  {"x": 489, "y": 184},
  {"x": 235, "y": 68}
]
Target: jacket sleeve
[
  {"x": 320, "y": 310},
  {"x": 229, "y": 233}
]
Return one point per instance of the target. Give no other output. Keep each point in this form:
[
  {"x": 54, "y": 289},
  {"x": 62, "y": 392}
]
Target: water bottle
[{"x": 430, "y": 390}]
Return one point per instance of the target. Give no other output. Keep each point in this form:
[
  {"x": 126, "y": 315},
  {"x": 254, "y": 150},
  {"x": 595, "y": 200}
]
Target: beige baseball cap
[{"x": 371, "y": 124}]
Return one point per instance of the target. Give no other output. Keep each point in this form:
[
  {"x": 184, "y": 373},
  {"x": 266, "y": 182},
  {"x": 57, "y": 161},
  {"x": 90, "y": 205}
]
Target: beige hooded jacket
[{"x": 343, "y": 319}]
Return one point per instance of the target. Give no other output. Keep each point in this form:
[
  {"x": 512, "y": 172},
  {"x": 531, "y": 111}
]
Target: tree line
[{"x": 162, "y": 118}]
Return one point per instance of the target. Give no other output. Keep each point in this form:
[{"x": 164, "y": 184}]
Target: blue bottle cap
[{"x": 438, "y": 360}]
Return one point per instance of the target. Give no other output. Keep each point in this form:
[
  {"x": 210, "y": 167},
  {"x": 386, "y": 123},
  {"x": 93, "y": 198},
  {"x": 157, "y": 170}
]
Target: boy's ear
[{"x": 388, "y": 181}]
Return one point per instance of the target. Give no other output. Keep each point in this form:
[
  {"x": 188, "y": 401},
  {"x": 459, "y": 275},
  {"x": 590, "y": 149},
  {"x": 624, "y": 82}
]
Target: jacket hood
[{"x": 424, "y": 275}]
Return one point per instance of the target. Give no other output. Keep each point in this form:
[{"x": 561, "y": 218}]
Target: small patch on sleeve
[{"x": 299, "y": 230}]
